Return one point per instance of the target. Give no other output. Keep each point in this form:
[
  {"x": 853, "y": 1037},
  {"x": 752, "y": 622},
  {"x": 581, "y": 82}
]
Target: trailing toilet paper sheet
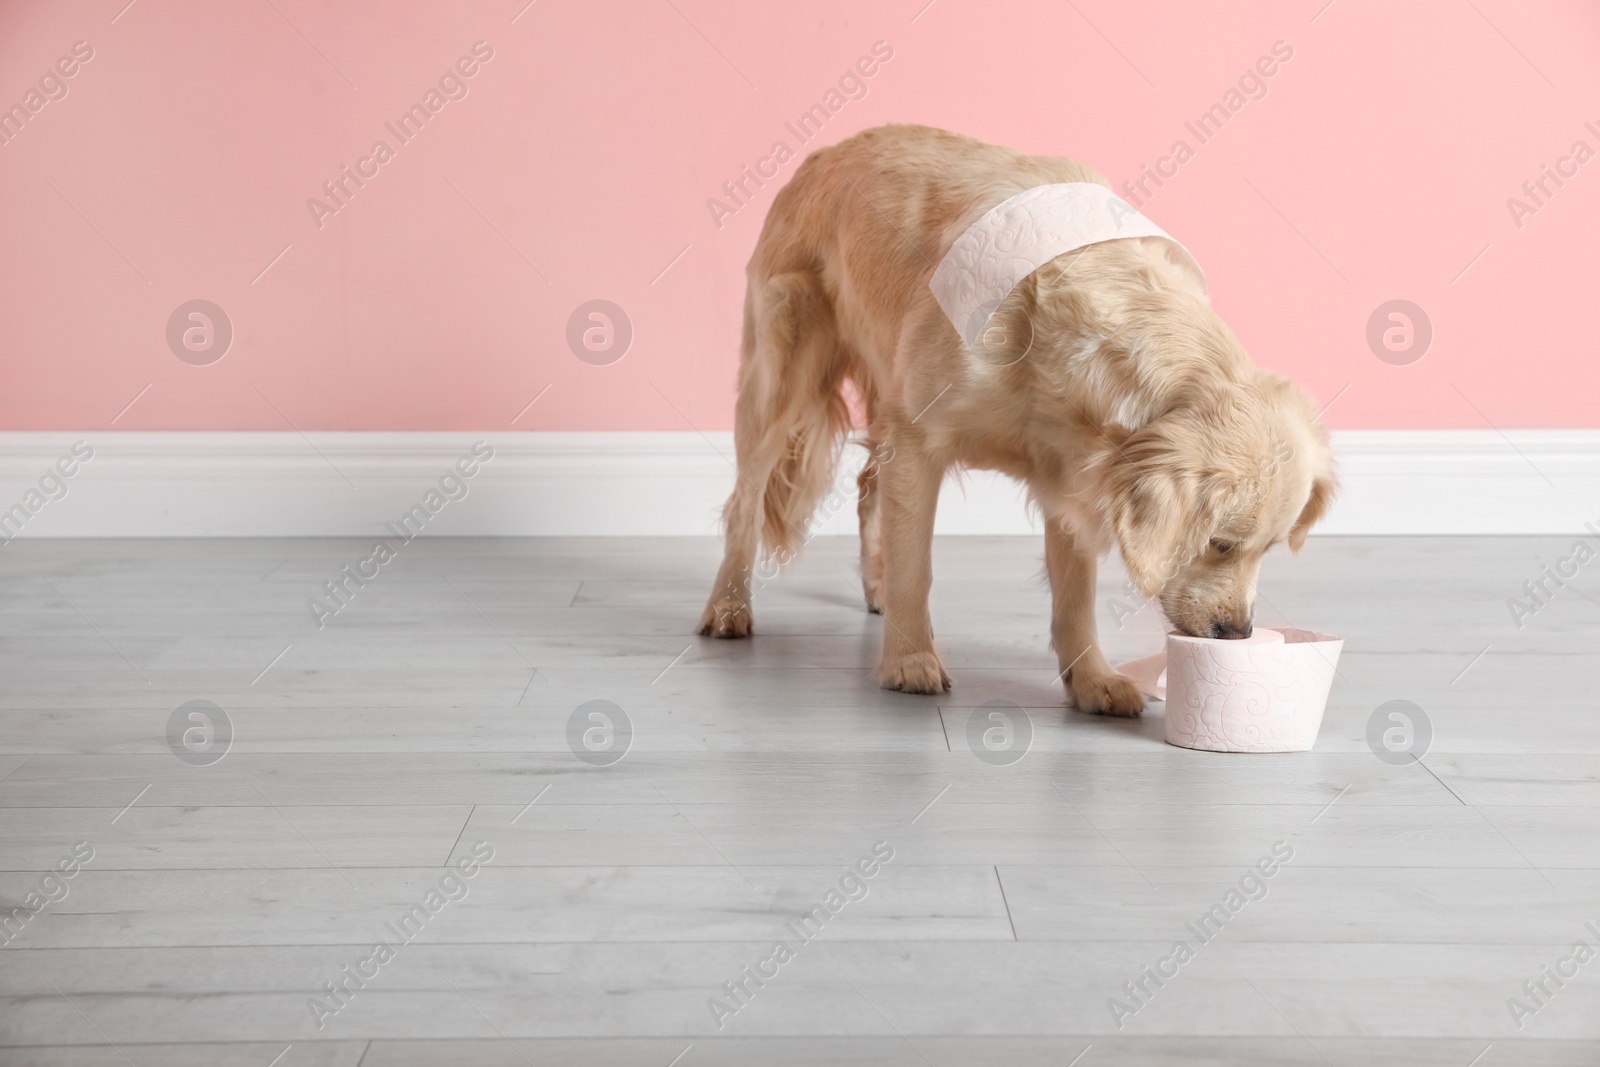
[
  {"x": 1263, "y": 694},
  {"x": 1022, "y": 234}
]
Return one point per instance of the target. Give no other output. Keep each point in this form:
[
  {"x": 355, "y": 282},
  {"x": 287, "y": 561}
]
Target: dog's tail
[
  {"x": 792, "y": 403},
  {"x": 801, "y": 478}
]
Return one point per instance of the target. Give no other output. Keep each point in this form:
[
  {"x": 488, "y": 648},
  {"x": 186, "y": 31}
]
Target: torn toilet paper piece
[{"x": 1021, "y": 234}]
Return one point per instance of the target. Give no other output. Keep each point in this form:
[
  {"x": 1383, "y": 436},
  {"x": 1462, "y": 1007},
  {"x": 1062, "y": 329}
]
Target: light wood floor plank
[{"x": 829, "y": 988}]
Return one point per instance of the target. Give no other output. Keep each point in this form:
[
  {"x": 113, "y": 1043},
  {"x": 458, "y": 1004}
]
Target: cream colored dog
[{"x": 1105, "y": 382}]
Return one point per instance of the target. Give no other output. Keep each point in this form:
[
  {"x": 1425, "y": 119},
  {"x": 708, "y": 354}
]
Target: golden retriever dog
[{"x": 1105, "y": 383}]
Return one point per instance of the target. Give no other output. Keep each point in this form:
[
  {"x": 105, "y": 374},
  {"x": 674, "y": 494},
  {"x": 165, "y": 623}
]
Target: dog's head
[{"x": 1195, "y": 498}]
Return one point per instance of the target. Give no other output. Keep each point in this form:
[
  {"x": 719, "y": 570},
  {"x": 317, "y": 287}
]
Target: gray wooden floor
[{"x": 431, "y": 714}]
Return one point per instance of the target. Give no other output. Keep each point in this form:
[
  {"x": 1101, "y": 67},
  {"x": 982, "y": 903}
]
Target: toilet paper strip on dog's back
[{"x": 1022, "y": 234}]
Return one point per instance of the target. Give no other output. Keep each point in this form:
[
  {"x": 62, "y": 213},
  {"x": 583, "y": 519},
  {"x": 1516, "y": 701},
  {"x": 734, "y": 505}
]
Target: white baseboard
[{"x": 193, "y": 484}]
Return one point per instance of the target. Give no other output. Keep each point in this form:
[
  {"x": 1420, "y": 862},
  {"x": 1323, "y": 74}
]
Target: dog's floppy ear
[
  {"x": 1161, "y": 509},
  {"x": 1323, "y": 488}
]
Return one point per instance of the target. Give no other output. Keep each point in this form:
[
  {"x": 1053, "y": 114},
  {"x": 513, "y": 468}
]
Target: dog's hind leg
[
  {"x": 871, "y": 533},
  {"x": 790, "y": 419},
  {"x": 879, "y": 452}
]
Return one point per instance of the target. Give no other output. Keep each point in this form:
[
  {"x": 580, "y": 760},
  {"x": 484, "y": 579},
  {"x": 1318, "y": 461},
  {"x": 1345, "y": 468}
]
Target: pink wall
[{"x": 579, "y": 165}]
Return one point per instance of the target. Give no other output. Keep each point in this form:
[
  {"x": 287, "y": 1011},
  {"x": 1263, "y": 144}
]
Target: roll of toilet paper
[{"x": 1265, "y": 693}]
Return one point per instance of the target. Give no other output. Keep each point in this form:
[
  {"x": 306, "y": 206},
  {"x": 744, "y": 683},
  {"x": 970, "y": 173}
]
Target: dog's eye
[{"x": 1222, "y": 547}]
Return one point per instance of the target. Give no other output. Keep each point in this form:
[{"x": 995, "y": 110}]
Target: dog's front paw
[
  {"x": 1106, "y": 694},
  {"x": 726, "y": 617},
  {"x": 915, "y": 672}
]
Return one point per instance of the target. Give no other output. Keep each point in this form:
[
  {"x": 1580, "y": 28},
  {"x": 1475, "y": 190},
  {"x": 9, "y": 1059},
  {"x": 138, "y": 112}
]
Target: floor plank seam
[
  {"x": 1002, "y": 885},
  {"x": 457, "y": 842}
]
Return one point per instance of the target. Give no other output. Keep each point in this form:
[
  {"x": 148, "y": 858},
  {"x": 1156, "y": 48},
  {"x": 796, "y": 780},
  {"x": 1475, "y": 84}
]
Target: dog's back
[
  {"x": 839, "y": 277},
  {"x": 901, "y": 194}
]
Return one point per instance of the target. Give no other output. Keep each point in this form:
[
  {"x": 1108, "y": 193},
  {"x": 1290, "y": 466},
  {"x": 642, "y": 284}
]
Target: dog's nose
[{"x": 1228, "y": 630}]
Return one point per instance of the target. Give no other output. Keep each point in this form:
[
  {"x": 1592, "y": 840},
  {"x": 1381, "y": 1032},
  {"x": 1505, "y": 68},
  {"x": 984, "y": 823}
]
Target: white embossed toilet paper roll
[{"x": 1266, "y": 693}]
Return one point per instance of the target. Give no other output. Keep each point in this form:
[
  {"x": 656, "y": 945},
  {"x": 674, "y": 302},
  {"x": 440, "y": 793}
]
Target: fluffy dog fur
[{"x": 1105, "y": 383}]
